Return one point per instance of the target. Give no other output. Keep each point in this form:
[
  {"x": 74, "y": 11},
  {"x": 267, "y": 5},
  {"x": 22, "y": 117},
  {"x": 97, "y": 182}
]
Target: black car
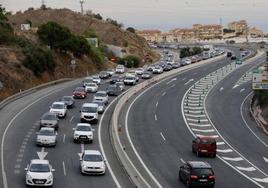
[
  {"x": 229, "y": 54},
  {"x": 197, "y": 174},
  {"x": 104, "y": 75},
  {"x": 233, "y": 57},
  {"x": 113, "y": 90},
  {"x": 115, "y": 78},
  {"x": 69, "y": 101},
  {"x": 167, "y": 67}
]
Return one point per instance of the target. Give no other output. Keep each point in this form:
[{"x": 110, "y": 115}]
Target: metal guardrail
[
  {"x": 126, "y": 163},
  {"x": 31, "y": 90}
]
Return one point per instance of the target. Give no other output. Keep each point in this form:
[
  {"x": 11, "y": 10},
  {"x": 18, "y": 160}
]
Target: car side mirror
[
  {"x": 26, "y": 169},
  {"x": 53, "y": 170},
  {"x": 56, "y": 133}
]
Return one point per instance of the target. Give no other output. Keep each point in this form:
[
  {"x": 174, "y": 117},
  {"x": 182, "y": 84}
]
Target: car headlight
[
  {"x": 76, "y": 135},
  {"x": 90, "y": 135},
  {"x": 50, "y": 177},
  {"x": 84, "y": 166},
  {"x": 28, "y": 176}
]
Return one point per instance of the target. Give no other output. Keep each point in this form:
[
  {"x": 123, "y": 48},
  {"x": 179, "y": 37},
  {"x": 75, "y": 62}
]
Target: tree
[
  {"x": 53, "y": 34},
  {"x": 131, "y": 29},
  {"x": 129, "y": 61},
  {"x": 97, "y": 16}
]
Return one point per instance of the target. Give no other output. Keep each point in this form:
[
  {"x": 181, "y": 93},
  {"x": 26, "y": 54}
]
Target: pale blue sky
[{"x": 163, "y": 14}]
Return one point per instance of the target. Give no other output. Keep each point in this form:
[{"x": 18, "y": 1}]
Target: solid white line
[
  {"x": 162, "y": 136},
  {"x": 244, "y": 120},
  {"x": 101, "y": 144},
  {"x": 233, "y": 158},
  {"x": 64, "y": 169},
  {"x": 5, "y": 132}
]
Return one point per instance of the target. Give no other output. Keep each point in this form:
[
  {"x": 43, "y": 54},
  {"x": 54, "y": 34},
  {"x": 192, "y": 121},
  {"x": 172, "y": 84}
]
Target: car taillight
[
  {"x": 194, "y": 177},
  {"x": 211, "y": 177}
]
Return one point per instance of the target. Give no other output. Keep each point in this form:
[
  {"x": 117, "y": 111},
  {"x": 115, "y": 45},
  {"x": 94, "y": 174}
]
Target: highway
[
  {"x": 22, "y": 119},
  {"x": 157, "y": 129}
]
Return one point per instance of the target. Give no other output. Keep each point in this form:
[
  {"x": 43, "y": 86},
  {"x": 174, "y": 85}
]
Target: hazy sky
[{"x": 163, "y": 14}]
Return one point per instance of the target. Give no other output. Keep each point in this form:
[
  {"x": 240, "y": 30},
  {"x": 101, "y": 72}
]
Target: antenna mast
[{"x": 82, "y": 6}]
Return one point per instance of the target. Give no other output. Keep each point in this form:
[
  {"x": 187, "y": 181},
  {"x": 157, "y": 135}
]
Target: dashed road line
[
  {"x": 248, "y": 169},
  {"x": 162, "y": 136},
  {"x": 236, "y": 159},
  {"x": 155, "y": 117}
]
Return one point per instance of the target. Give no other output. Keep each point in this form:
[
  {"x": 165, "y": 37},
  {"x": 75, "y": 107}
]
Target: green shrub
[{"x": 129, "y": 61}]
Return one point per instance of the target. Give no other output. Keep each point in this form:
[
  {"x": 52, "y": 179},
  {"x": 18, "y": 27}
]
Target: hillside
[
  {"x": 78, "y": 24},
  {"x": 15, "y": 76}
]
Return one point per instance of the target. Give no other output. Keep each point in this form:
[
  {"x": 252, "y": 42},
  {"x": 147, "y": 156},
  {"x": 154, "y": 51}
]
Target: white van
[{"x": 89, "y": 112}]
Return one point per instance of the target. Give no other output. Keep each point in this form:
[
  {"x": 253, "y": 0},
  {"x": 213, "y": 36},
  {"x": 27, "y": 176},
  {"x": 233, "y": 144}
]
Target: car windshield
[
  {"x": 46, "y": 132},
  {"x": 202, "y": 171},
  {"x": 39, "y": 168},
  {"x": 83, "y": 128},
  {"x": 67, "y": 98},
  {"x": 95, "y": 77},
  {"x": 130, "y": 78},
  {"x": 207, "y": 141},
  {"x": 91, "y": 85},
  {"x": 80, "y": 89},
  {"x": 93, "y": 158},
  {"x": 49, "y": 117},
  {"x": 111, "y": 87},
  {"x": 58, "y": 106},
  {"x": 89, "y": 109},
  {"x": 100, "y": 94}
]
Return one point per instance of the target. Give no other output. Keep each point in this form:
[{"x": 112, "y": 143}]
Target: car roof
[
  {"x": 102, "y": 92},
  {"x": 39, "y": 161},
  {"x": 89, "y": 105},
  {"x": 62, "y": 103},
  {"x": 47, "y": 128},
  {"x": 94, "y": 152},
  {"x": 49, "y": 113},
  {"x": 198, "y": 164},
  {"x": 83, "y": 124}
]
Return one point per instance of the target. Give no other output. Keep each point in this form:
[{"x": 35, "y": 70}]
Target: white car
[
  {"x": 111, "y": 72},
  {"x": 96, "y": 79},
  {"x": 188, "y": 61},
  {"x": 39, "y": 173},
  {"x": 120, "y": 69},
  {"x": 101, "y": 96},
  {"x": 83, "y": 132},
  {"x": 59, "y": 108},
  {"x": 157, "y": 70},
  {"x": 92, "y": 162},
  {"x": 89, "y": 112},
  {"x": 91, "y": 87},
  {"x": 46, "y": 137},
  {"x": 87, "y": 80},
  {"x": 130, "y": 80}
]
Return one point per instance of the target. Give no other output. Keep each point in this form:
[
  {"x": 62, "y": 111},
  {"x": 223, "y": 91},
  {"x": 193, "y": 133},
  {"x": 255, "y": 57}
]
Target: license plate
[
  {"x": 203, "y": 180},
  {"x": 204, "y": 150},
  {"x": 39, "y": 182}
]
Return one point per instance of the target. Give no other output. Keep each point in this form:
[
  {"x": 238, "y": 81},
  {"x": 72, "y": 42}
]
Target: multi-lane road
[{"x": 157, "y": 125}]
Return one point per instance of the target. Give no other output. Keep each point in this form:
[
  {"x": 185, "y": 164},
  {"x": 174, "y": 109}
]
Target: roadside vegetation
[
  {"x": 187, "y": 52},
  {"x": 129, "y": 61}
]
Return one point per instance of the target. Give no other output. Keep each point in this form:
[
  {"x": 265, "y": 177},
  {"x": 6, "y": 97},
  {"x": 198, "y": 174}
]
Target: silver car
[
  {"x": 49, "y": 119},
  {"x": 46, "y": 137},
  {"x": 101, "y": 106}
]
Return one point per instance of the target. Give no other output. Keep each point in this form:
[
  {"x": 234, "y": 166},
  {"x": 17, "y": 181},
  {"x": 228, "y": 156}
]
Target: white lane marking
[
  {"x": 242, "y": 90},
  {"x": 64, "y": 169},
  {"x": 199, "y": 125},
  {"x": 198, "y": 120},
  {"x": 16, "y": 171},
  {"x": 101, "y": 144},
  {"x": 204, "y": 131},
  {"x": 244, "y": 120},
  {"x": 156, "y": 104},
  {"x": 265, "y": 159},
  {"x": 5, "y": 132},
  {"x": 42, "y": 154},
  {"x": 181, "y": 159},
  {"x": 236, "y": 159},
  {"x": 163, "y": 94},
  {"x": 195, "y": 116},
  {"x": 220, "y": 143},
  {"x": 221, "y": 88},
  {"x": 194, "y": 108},
  {"x": 162, "y": 136},
  {"x": 63, "y": 140},
  {"x": 262, "y": 180},
  {"x": 20, "y": 155},
  {"x": 17, "y": 166},
  {"x": 212, "y": 136},
  {"x": 174, "y": 79},
  {"x": 19, "y": 160},
  {"x": 155, "y": 117},
  {"x": 189, "y": 82},
  {"x": 173, "y": 85},
  {"x": 235, "y": 86},
  {"x": 71, "y": 118},
  {"x": 248, "y": 169},
  {"x": 224, "y": 150}
]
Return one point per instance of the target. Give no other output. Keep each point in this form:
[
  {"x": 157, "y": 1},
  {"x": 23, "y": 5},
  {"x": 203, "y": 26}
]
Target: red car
[
  {"x": 204, "y": 146},
  {"x": 79, "y": 93}
]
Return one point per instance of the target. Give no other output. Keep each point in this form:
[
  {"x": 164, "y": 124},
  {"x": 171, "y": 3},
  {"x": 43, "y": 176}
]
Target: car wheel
[
  {"x": 91, "y": 141},
  {"x": 193, "y": 150},
  {"x": 188, "y": 184}
]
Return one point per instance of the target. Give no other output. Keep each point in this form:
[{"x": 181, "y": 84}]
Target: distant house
[{"x": 25, "y": 27}]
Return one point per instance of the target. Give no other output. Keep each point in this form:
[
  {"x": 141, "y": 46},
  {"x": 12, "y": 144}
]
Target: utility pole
[
  {"x": 43, "y": 3},
  {"x": 82, "y": 6}
]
